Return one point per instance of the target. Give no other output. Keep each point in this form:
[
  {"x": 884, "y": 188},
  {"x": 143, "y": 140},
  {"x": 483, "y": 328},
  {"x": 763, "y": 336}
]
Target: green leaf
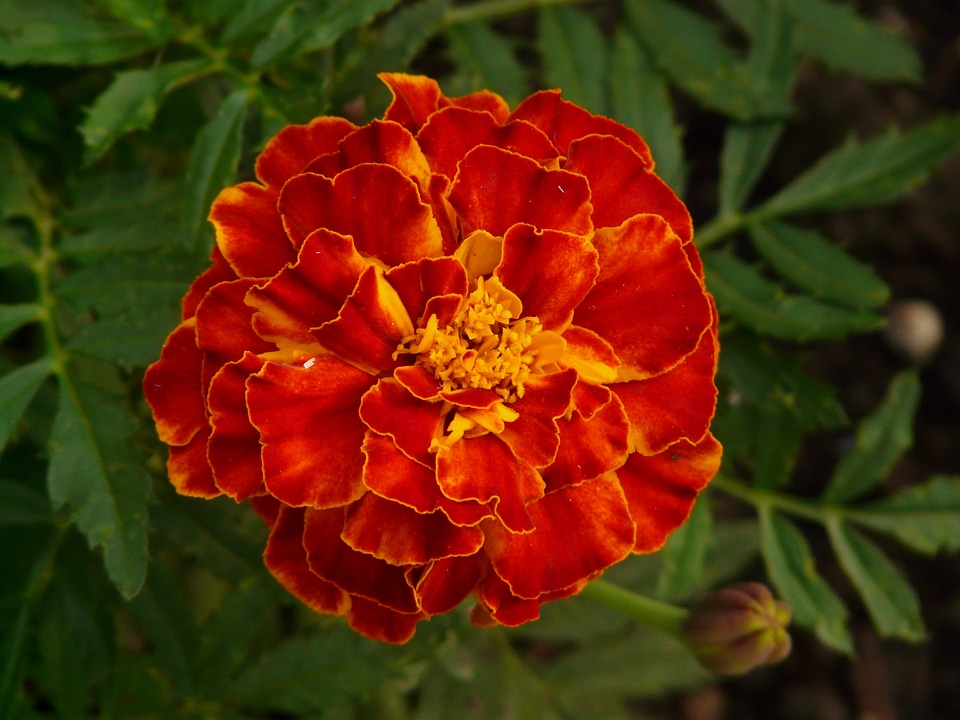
[
  {"x": 150, "y": 17},
  {"x": 22, "y": 505},
  {"x": 869, "y": 173},
  {"x": 17, "y": 389},
  {"x": 487, "y": 58},
  {"x": 813, "y": 264},
  {"x": 253, "y": 19},
  {"x": 131, "y": 102},
  {"x": 778, "y": 437},
  {"x": 573, "y": 53},
  {"x": 12, "y": 251},
  {"x": 747, "y": 149},
  {"x": 744, "y": 293},
  {"x": 18, "y": 192},
  {"x": 924, "y": 517},
  {"x": 640, "y": 98},
  {"x": 891, "y": 602},
  {"x": 131, "y": 340},
  {"x": 64, "y": 32},
  {"x": 213, "y": 165},
  {"x": 882, "y": 438},
  {"x": 791, "y": 568},
  {"x": 95, "y": 471},
  {"x": 14, "y": 317},
  {"x": 684, "y": 557}
]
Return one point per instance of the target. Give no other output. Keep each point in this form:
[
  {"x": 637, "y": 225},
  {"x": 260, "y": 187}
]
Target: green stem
[
  {"x": 719, "y": 228},
  {"x": 660, "y": 615},
  {"x": 494, "y": 9},
  {"x": 807, "y": 509}
]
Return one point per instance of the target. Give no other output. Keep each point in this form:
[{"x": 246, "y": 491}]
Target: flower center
[{"x": 487, "y": 346}]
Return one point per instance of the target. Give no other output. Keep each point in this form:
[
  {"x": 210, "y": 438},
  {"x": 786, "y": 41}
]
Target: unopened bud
[{"x": 738, "y": 628}]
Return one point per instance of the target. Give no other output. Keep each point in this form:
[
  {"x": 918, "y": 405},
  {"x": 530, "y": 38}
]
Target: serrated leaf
[
  {"x": 17, "y": 389},
  {"x": 744, "y": 293},
  {"x": 791, "y": 568},
  {"x": 685, "y": 554},
  {"x": 64, "y": 32},
  {"x": 924, "y": 517},
  {"x": 777, "y": 440},
  {"x": 890, "y": 600},
  {"x": 19, "y": 189},
  {"x": 882, "y": 438},
  {"x": 747, "y": 148},
  {"x": 14, "y": 317},
  {"x": 859, "y": 174},
  {"x": 487, "y": 57},
  {"x": 22, "y": 505},
  {"x": 131, "y": 102},
  {"x": 640, "y": 98},
  {"x": 573, "y": 53},
  {"x": 94, "y": 470},
  {"x": 129, "y": 340},
  {"x": 813, "y": 264}
]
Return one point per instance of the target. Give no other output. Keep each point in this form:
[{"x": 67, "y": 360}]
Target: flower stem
[
  {"x": 758, "y": 497},
  {"x": 660, "y": 615}
]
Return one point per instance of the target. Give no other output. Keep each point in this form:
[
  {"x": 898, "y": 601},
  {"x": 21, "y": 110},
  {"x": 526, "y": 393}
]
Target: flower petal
[
  {"x": 188, "y": 469},
  {"x": 396, "y": 231},
  {"x": 662, "y": 488},
  {"x": 500, "y": 605},
  {"x": 172, "y": 387},
  {"x": 292, "y": 149},
  {"x": 220, "y": 271},
  {"x": 486, "y": 470},
  {"x": 419, "y": 382},
  {"x": 534, "y": 437},
  {"x": 550, "y": 271},
  {"x": 373, "y": 620},
  {"x": 286, "y": 559},
  {"x": 387, "y": 143},
  {"x": 622, "y": 185},
  {"x": 431, "y": 278},
  {"x": 446, "y": 583},
  {"x": 496, "y": 188},
  {"x": 415, "y": 98},
  {"x": 308, "y": 293},
  {"x": 563, "y": 122},
  {"x": 676, "y": 404},
  {"x": 400, "y": 535},
  {"x": 582, "y": 529},
  {"x": 389, "y": 473},
  {"x": 590, "y": 355},
  {"x": 353, "y": 572},
  {"x": 647, "y": 303},
  {"x": 388, "y": 408},
  {"x": 484, "y": 101},
  {"x": 249, "y": 231},
  {"x": 234, "y": 447},
  {"x": 310, "y": 430}
]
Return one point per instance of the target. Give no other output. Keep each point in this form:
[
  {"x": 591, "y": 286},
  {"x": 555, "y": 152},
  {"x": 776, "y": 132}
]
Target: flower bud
[{"x": 738, "y": 628}]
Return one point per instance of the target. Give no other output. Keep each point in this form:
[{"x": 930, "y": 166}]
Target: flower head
[{"x": 457, "y": 351}]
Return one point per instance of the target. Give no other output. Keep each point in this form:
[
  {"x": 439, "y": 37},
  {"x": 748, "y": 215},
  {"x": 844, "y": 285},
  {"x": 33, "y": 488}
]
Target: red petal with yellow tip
[
  {"x": 647, "y": 303},
  {"x": 419, "y": 382},
  {"x": 621, "y": 185},
  {"x": 389, "y": 409},
  {"x": 662, "y": 488},
  {"x": 354, "y": 572},
  {"x": 534, "y": 436},
  {"x": 484, "y": 469},
  {"x": 188, "y": 469},
  {"x": 590, "y": 447},
  {"x": 385, "y": 142},
  {"x": 310, "y": 430},
  {"x": 234, "y": 447},
  {"x": 496, "y": 188},
  {"x": 395, "y": 232},
  {"x": 563, "y": 122},
  {"x": 418, "y": 282},
  {"x": 289, "y": 152},
  {"x": 582, "y": 529},
  {"x": 550, "y": 271},
  {"x": 217, "y": 273},
  {"x": 391, "y": 474},
  {"x": 414, "y": 99},
  {"x": 447, "y": 582},
  {"x": 484, "y": 101},
  {"x": 172, "y": 387},
  {"x": 377, "y": 622},
  {"x": 677, "y": 404},
  {"x": 250, "y": 233},
  {"x": 400, "y": 535},
  {"x": 590, "y": 355},
  {"x": 505, "y": 608},
  {"x": 310, "y": 292},
  {"x": 286, "y": 559}
]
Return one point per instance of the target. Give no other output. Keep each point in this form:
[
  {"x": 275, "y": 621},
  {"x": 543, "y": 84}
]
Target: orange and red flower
[{"x": 456, "y": 351}]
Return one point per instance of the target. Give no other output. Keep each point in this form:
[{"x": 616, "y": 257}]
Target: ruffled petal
[
  {"x": 500, "y": 606},
  {"x": 387, "y": 143},
  {"x": 389, "y": 473},
  {"x": 286, "y": 559},
  {"x": 662, "y": 488},
  {"x": 484, "y": 469},
  {"x": 375, "y": 204},
  {"x": 446, "y": 583},
  {"x": 234, "y": 447},
  {"x": 550, "y": 271},
  {"x": 677, "y": 404},
  {"x": 647, "y": 303},
  {"x": 373, "y": 620},
  {"x": 590, "y": 355},
  {"x": 267, "y": 507},
  {"x": 534, "y": 436},
  {"x": 483, "y": 101},
  {"x": 622, "y": 185},
  {"x": 354, "y": 572},
  {"x": 310, "y": 430},
  {"x": 389, "y": 409},
  {"x": 292, "y": 149},
  {"x": 172, "y": 387},
  {"x": 563, "y": 122},
  {"x": 400, "y": 535},
  {"x": 415, "y": 98},
  {"x": 496, "y": 188},
  {"x": 589, "y": 446},
  {"x": 249, "y": 231},
  {"x": 419, "y": 382},
  {"x": 418, "y": 282},
  {"x": 308, "y": 293},
  {"x": 220, "y": 271},
  {"x": 188, "y": 469}
]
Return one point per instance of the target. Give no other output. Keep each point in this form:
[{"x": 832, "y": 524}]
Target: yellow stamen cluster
[{"x": 486, "y": 346}]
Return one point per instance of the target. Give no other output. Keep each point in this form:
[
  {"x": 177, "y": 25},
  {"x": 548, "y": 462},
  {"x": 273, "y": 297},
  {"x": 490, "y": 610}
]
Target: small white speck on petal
[{"x": 309, "y": 363}]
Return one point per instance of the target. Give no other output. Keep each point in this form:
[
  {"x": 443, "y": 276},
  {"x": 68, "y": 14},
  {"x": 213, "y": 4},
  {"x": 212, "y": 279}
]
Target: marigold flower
[{"x": 456, "y": 351}]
